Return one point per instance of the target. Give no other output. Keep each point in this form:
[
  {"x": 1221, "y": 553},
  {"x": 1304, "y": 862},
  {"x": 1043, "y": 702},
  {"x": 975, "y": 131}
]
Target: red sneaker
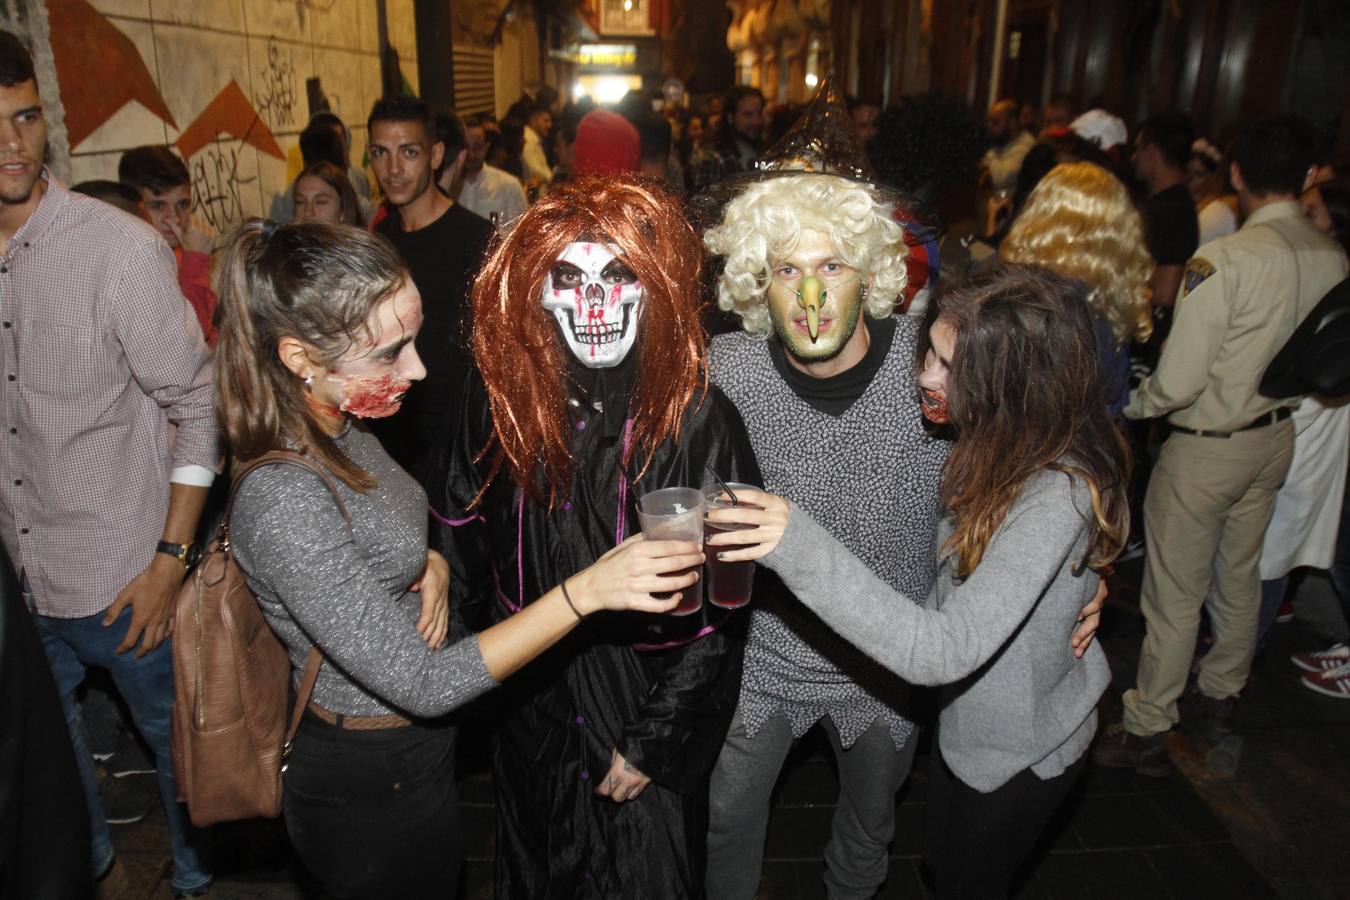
[
  {"x": 1332, "y": 682},
  {"x": 1286, "y": 613},
  {"x": 1333, "y": 657}
]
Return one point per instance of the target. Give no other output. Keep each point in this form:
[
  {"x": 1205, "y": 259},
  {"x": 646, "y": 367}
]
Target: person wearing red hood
[{"x": 606, "y": 144}]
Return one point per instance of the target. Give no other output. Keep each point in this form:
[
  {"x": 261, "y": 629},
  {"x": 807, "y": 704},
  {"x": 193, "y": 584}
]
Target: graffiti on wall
[
  {"x": 276, "y": 101},
  {"x": 230, "y": 113},
  {"x": 99, "y": 68},
  {"x": 100, "y": 71},
  {"x": 229, "y": 96},
  {"x": 215, "y": 172},
  {"x": 216, "y": 184}
]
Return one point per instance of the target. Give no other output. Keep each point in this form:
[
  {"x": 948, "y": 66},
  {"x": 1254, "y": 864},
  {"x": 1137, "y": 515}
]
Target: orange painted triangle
[
  {"x": 229, "y": 113},
  {"x": 99, "y": 69}
]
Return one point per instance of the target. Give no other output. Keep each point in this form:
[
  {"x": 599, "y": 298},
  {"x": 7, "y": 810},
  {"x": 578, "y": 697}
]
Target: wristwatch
[{"x": 187, "y": 554}]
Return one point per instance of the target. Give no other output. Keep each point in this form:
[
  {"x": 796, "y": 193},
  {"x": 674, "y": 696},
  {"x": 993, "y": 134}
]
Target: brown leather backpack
[{"x": 232, "y": 676}]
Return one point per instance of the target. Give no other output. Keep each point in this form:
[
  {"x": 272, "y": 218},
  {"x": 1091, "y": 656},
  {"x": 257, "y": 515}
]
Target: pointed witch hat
[{"x": 824, "y": 141}]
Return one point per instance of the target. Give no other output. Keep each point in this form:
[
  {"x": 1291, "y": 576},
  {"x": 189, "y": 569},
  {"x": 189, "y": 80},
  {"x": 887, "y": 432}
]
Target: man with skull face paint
[
  {"x": 593, "y": 392},
  {"x": 597, "y": 301}
]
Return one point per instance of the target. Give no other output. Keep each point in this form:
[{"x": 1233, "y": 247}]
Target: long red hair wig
[{"x": 522, "y": 357}]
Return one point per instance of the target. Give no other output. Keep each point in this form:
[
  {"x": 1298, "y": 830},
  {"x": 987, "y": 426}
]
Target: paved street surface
[{"x": 1275, "y": 830}]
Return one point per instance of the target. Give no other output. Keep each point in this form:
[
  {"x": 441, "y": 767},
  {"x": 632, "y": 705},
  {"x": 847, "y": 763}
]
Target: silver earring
[{"x": 309, "y": 381}]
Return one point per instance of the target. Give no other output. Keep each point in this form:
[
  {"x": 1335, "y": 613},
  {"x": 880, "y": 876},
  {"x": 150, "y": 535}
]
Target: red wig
[{"x": 522, "y": 358}]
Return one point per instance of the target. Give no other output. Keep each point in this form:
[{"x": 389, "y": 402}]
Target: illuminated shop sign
[{"x": 617, "y": 55}]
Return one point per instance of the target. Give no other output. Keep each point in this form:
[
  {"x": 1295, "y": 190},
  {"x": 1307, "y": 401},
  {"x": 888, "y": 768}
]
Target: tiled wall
[{"x": 192, "y": 49}]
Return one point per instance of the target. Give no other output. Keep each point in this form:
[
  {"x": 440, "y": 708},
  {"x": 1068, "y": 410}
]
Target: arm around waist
[{"x": 290, "y": 538}]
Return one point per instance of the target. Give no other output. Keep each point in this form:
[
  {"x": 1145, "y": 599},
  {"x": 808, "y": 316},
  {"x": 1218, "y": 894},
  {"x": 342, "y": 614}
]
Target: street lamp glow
[
  {"x": 611, "y": 88},
  {"x": 811, "y": 79}
]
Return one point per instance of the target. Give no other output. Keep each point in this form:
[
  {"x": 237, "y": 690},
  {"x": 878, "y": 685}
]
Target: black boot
[{"x": 1211, "y": 720}]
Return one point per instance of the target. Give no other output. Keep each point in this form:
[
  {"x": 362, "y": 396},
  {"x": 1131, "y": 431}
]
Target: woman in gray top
[
  {"x": 317, "y": 326},
  {"x": 1034, "y": 497}
]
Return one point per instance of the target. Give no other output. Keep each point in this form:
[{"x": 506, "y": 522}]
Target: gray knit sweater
[
  {"x": 1016, "y": 697},
  {"x": 870, "y": 477},
  {"x": 348, "y": 590}
]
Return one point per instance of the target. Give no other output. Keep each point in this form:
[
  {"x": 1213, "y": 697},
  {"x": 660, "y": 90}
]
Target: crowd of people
[{"x": 941, "y": 443}]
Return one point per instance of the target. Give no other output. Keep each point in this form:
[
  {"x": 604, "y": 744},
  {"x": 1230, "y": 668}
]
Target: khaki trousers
[{"x": 1208, "y": 504}]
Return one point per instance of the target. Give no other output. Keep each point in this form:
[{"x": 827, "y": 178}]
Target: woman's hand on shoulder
[
  {"x": 626, "y": 577},
  {"x": 764, "y": 517},
  {"x": 434, "y": 586}
]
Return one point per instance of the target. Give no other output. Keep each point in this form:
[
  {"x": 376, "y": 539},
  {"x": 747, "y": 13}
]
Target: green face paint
[
  {"x": 836, "y": 320},
  {"x": 814, "y": 298}
]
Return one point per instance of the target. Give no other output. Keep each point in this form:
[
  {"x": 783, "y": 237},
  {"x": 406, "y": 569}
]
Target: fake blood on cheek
[
  {"x": 934, "y": 406},
  {"x": 374, "y": 397}
]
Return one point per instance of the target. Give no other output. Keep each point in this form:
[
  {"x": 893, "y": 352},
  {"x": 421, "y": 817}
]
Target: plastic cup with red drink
[
  {"x": 729, "y": 583},
  {"x": 675, "y": 514}
]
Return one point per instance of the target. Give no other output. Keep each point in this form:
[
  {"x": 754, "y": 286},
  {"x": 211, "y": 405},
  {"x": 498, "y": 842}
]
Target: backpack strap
[
  {"x": 274, "y": 457},
  {"x": 315, "y": 659},
  {"x": 303, "y": 694}
]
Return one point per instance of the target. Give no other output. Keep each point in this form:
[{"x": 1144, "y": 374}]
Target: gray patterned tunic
[{"x": 870, "y": 477}]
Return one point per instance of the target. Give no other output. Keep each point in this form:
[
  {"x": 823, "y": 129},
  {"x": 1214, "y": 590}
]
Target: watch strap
[{"x": 177, "y": 551}]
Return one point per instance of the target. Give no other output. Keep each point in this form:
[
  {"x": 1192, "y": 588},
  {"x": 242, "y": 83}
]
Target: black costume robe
[{"x": 665, "y": 710}]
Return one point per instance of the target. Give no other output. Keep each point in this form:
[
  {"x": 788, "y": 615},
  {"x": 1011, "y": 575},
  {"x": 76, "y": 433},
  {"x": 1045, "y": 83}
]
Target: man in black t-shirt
[
  {"x": 1161, "y": 149},
  {"x": 442, "y": 243}
]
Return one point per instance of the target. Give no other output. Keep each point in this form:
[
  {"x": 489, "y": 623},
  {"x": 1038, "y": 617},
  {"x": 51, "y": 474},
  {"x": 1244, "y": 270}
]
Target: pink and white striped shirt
[{"x": 100, "y": 357}]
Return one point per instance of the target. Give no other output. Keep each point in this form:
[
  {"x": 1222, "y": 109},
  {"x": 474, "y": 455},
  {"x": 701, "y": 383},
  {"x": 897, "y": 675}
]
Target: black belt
[{"x": 1270, "y": 418}]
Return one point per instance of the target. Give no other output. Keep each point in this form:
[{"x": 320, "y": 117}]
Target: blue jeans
[
  {"x": 1340, "y": 566},
  {"x": 146, "y": 684},
  {"x": 1272, "y": 598}
]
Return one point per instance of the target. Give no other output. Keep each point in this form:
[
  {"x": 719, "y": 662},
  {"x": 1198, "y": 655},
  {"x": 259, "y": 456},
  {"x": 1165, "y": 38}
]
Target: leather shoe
[{"x": 1119, "y": 749}]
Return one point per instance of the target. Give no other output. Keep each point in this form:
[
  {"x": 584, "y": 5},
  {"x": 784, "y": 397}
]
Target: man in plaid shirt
[{"x": 108, "y": 445}]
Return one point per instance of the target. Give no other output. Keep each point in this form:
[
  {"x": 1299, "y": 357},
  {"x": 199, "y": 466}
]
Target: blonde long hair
[{"x": 1080, "y": 223}]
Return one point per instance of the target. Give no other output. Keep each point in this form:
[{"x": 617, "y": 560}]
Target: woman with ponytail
[
  {"x": 316, "y": 333},
  {"x": 1034, "y": 491}
]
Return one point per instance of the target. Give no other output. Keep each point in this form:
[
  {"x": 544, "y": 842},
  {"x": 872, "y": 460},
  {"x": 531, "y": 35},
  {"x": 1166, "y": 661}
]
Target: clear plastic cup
[
  {"x": 675, "y": 514},
  {"x": 729, "y": 583}
]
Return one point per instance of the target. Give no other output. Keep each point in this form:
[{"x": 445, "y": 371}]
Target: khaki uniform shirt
[{"x": 1241, "y": 298}]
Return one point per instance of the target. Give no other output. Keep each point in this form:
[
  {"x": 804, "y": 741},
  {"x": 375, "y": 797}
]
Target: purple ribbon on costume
[
  {"x": 620, "y": 533},
  {"x": 453, "y": 523}
]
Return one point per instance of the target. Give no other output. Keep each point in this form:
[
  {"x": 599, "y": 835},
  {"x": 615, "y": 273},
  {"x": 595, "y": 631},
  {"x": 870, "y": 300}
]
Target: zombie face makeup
[
  {"x": 372, "y": 396},
  {"x": 371, "y": 380},
  {"x": 597, "y": 301},
  {"x": 815, "y": 299},
  {"x": 936, "y": 375}
]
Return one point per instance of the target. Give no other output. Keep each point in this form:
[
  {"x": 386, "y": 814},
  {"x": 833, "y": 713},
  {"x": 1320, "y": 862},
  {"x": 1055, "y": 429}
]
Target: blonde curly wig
[
  {"x": 1079, "y": 222},
  {"x": 762, "y": 225}
]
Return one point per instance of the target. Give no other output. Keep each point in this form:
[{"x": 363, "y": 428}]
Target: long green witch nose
[{"x": 810, "y": 297}]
